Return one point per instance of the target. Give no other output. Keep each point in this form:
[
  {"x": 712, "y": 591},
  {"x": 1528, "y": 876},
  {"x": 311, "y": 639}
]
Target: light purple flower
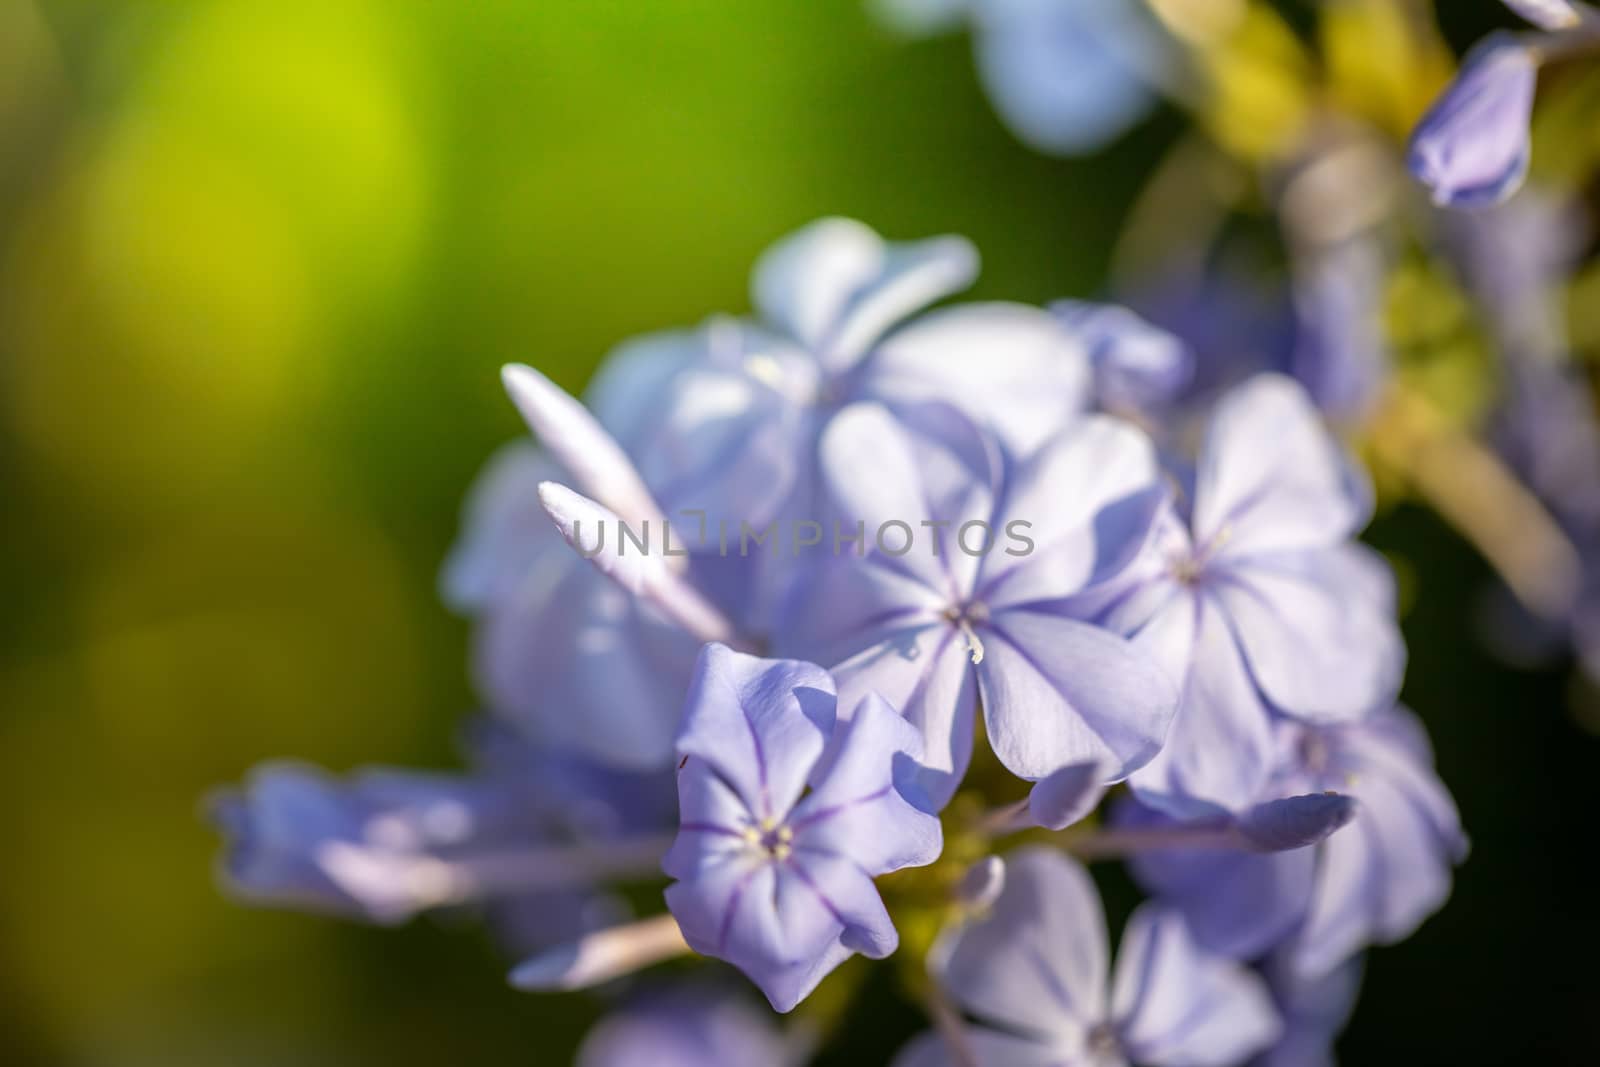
[
  {"x": 786, "y": 816},
  {"x": 1373, "y": 882},
  {"x": 1471, "y": 149},
  {"x": 382, "y": 845},
  {"x": 1033, "y": 974},
  {"x": 1139, "y": 368},
  {"x": 1259, "y": 604},
  {"x": 938, "y": 625},
  {"x": 1066, "y": 78},
  {"x": 693, "y": 1026}
]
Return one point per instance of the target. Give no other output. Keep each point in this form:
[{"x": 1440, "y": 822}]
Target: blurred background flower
[{"x": 259, "y": 265}]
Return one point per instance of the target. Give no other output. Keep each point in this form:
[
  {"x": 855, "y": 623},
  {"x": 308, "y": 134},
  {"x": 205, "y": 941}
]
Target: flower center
[
  {"x": 1102, "y": 1041},
  {"x": 771, "y": 837},
  {"x": 966, "y": 618}
]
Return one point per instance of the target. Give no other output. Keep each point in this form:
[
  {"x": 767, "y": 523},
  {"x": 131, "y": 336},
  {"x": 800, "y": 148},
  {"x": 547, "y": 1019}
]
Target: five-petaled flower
[{"x": 771, "y": 877}]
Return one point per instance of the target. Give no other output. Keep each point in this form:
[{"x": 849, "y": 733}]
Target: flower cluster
[
  {"x": 1201, "y": 627},
  {"x": 1086, "y": 588}
]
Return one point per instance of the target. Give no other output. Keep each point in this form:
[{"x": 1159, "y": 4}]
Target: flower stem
[{"x": 1474, "y": 491}]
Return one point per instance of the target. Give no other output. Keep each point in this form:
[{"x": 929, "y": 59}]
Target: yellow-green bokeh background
[{"x": 259, "y": 265}]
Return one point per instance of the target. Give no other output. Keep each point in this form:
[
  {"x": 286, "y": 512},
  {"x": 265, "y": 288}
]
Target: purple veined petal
[
  {"x": 761, "y": 724},
  {"x": 1317, "y": 653},
  {"x": 925, "y": 463},
  {"x": 1067, "y": 78},
  {"x": 1068, "y": 795},
  {"x": 1221, "y": 748},
  {"x": 926, "y": 671},
  {"x": 712, "y": 818},
  {"x": 1059, "y": 691},
  {"x": 845, "y": 606},
  {"x": 1271, "y": 477},
  {"x": 1177, "y": 1005},
  {"x": 1037, "y": 963},
  {"x": 1548, "y": 14},
  {"x": 835, "y": 285},
  {"x": 504, "y": 530},
  {"x": 1008, "y": 367},
  {"x": 1238, "y": 904},
  {"x": 728, "y": 911},
  {"x": 576, "y": 440},
  {"x": 867, "y": 802},
  {"x": 1091, "y": 497},
  {"x": 1471, "y": 149},
  {"x": 846, "y": 895},
  {"x": 989, "y": 1047},
  {"x": 1138, "y": 367},
  {"x": 1295, "y": 822}
]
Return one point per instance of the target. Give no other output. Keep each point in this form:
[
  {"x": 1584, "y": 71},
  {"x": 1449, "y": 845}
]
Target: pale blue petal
[
  {"x": 1317, "y": 652},
  {"x": 1037, "y": 962},
  {"x": 1058, "y": 691},
  {"x": 1271, "y": 477},
  {"x": 760, "y": 724},
  {"x": 866, "y": 803},
  {"x": 1220, "y": 750},
  {"x": 1007, "y": 366},
  {"x": 1178, "y": 1005}
]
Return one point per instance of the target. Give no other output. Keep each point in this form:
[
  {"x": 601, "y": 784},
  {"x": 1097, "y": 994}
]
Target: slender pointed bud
[
  {"x": 1294, "y": 822},
  {"x": 1471, "y": 148},
  {"x": 602, "y": 956},
  {"x": 1065, "y": 796},
  {"x": 1548, "y": 14},
  {"x": 580, "y": 444},
  {"x": 647, "y": 575},
  {"x": 982, "y": 885}
]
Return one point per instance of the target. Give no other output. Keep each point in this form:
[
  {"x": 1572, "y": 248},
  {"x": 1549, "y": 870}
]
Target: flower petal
[
  {"x": 835, "y": 285},
  {"x": 761, "y": 724},
  {"x": 1178, "y": 1005},
  {"x": 1059, "y": 691},
  {"x": 1091, "y": 497},
  {"x": 1220, "y": 750},
  {"x": 1271, "y": 477},
  {"x": 1009, "y": 367},
  {"x": 1318, "y": 652},
  {"x": 1037, "y": 962},
  {"x": 867, "y": 802}
]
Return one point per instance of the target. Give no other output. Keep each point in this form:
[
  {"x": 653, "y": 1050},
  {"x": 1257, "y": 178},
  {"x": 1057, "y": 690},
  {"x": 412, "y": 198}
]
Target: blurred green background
[{"x": 259, "y": 265}]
